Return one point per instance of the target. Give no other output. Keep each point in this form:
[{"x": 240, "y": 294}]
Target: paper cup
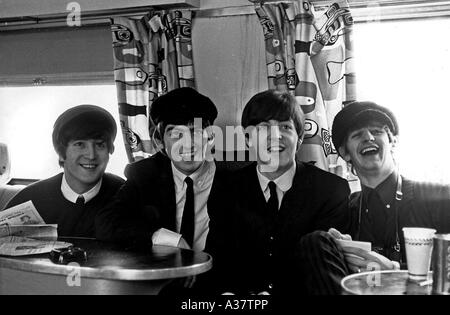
[{"x": 418, "y": 246}]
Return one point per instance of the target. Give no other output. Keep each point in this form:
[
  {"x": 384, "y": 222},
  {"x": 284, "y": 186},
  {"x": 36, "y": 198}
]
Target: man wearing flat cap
[
  {"x": 170, "y": 198},
  {"x": 365, "y": 135},
  {"x": 174, "y": 198},
  {"x": 83, "y": 138}
]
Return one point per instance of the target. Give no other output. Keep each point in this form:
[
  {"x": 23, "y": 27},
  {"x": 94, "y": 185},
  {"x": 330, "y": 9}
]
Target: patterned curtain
[
  {"x": 311, "y": 57},
  {"x": 152, "y": 55}
]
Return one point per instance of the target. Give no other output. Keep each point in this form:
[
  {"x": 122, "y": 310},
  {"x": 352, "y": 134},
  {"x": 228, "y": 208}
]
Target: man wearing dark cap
[
  {"x": 365, "y": 135},
  {"x": 169, "y": 198},
  {"x": 83, "y": 138}
]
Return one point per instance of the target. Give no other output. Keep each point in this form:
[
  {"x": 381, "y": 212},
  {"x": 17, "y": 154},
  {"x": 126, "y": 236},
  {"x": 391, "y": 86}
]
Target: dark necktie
[
  {"x": 273, "y": 200},
  {"x": 80, "y": 201},
  {"x": 188, "y": 220}
]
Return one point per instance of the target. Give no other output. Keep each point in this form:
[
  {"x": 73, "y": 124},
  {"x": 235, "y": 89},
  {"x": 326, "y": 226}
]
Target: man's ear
[
  {"x": 210, "y": 136},
  {"x": 248, "y": 140},
  {"x": 61, "y": 160},
  {"x": 158, "y": 139},
  {"x": 112, "y": 148},
  {"x": 344, "y": 154},
  {"x": 299, "y": 144},
  {"x": 394, "y": 140}
]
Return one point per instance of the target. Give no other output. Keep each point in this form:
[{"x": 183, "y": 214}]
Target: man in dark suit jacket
[
  {"x": 365, "y": 135},
  {"x": 175, "y": 197},
  {"x": 278, "y": 200}
]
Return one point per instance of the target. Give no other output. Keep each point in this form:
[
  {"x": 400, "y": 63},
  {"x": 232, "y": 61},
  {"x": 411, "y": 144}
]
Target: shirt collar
[
  {"x": 284, "y": 182},
  {"x": 72, "y": 196},
  {"x": 386, "y": 189},
  {"x": 202, "y": 177}
]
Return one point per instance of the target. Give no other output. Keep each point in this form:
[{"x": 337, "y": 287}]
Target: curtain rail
[
  {"x": 362, "y": 11},
  {"x": 59, "y": 20},
  {"x": 364, "y": 3},
  {"x": 83, "y": 78}
]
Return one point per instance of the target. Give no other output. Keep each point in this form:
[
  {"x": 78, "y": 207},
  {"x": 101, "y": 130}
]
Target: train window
[
  {"x": 405, "y": 65},
  {"x": 27, "y": 115}
]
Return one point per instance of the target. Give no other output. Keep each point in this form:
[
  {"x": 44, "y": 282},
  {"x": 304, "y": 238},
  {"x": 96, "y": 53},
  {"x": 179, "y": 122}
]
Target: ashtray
[{"x": 64, "y": 256}]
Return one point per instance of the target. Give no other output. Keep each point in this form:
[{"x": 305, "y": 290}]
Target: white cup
[{"x": 418, "y": 245}]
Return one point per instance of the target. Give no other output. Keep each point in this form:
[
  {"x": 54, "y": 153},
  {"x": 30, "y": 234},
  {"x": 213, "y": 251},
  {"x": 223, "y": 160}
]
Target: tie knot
[
  {"x": 80, "y": 200},
  {"x": 189, "y": 181},
  {"x": 272, "y": 187}
]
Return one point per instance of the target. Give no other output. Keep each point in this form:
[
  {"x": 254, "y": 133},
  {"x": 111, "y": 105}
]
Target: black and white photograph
[{"x": 224, "y": 155}]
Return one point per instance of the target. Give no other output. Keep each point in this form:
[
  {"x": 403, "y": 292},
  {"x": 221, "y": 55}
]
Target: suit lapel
[
  {"x": 166, "y": 195},
  {"x": 255, "y": 191},
  {"x": 219, "y": 191},
  {"x": 295, "y": 198}
]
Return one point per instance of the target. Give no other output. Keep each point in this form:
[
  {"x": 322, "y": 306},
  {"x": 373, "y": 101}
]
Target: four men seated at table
[
  {"x": 83, "y": 138},
  {"x": 273, "y": 214}
]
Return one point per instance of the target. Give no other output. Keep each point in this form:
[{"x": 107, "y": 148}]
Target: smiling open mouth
[
  {"x": 188, "y": 154},
  {"x": 89, "y": 166},
  {"x": 370, "y": 150},
  {"x": 275, "y": 148}
]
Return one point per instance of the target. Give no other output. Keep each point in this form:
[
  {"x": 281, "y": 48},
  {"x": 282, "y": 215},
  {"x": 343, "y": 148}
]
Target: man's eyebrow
[
  {"x": 380, "y": 127},
  {"x": 356, "y": 131}
]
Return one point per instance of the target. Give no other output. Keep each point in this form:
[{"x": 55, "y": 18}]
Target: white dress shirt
[
  {"x": 284, "y": 183},
  {"x": 72, "y": 196},
  {"x": 203, "y": 179}
]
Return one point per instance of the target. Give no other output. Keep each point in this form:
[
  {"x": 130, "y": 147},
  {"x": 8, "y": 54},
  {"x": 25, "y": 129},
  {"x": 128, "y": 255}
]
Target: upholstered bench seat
[{"x": 7, "y": 192}]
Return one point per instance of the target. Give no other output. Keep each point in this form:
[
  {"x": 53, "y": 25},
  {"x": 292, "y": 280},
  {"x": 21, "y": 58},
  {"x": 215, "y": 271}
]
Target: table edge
[
  {"x": 106, "y": 273},
  {"x": 366, "y": 273}
]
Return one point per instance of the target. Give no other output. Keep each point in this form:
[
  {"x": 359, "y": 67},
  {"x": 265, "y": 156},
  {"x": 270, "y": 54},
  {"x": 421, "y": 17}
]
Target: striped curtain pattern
[
  {"x": 310, "y": 55},
  {"x": 152, "y": 56}
]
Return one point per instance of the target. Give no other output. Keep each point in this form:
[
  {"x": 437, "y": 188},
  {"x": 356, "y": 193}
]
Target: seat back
[
  {"x": 5, "y": 164},
  {"x": 7, "y": 192}
]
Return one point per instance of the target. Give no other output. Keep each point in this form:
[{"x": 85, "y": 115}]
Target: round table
[
  {"x": 386, "y": 282},
  {"x": 109, "y": 269}
]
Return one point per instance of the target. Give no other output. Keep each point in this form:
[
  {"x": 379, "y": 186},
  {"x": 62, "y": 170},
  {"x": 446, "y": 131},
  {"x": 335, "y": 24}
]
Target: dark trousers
[{"x": 322, "y": 265}]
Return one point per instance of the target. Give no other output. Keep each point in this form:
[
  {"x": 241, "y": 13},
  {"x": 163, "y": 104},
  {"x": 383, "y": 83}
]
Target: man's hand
[
  {"x": 359, "y": 260},
  {"x": 338, "y": 235}
]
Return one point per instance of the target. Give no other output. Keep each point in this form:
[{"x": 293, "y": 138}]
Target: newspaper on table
[
  {"x": 43, "y": 232},
  {"x": 23, "y": 214},
  {"x": 22, "y": 246},
  {"x": 24, "y": 232}
]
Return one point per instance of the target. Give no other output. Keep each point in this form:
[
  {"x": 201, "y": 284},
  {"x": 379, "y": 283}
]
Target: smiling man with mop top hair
[
  {"x": 175, "y": 197},
  {"x": 167, "y": 198},
  {"x": 83, "y": 138},
  {"x": 278, "y": 200}
]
